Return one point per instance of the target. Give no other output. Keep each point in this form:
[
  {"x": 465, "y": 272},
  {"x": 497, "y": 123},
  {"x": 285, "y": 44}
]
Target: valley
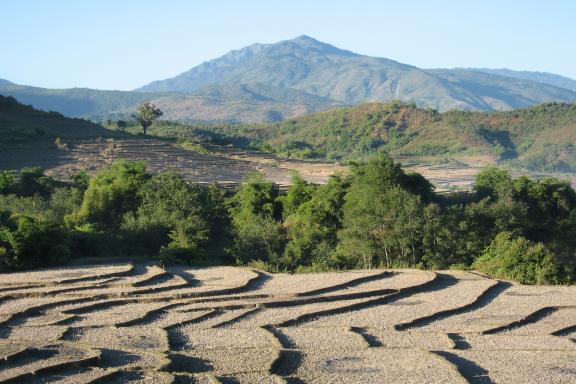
[{"x": 287, "y": 192}]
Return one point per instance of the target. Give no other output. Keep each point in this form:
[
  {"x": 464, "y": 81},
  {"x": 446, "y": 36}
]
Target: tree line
[{"x": 378, "y": 216}]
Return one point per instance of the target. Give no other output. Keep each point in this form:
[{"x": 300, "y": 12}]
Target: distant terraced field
[
  {"x": 224, "y": 166},
  {"x": 140, "y": 323}
]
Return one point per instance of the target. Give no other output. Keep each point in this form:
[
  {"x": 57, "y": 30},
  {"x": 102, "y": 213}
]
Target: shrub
[
  {"x": 31, "y": 244},
  {"x": 519, "y": 259},
  {"x": 7, "y": 180},
  {"x": 32, "y": 181},
  {"x": 110, "y": 194}
]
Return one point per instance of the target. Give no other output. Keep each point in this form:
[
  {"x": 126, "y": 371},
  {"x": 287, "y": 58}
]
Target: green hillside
[
  {"x": 539, "y": 138},
  {"x": 21, "y": 123}
]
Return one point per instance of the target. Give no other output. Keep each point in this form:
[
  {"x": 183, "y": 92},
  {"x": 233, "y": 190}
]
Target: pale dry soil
[{"x": 142, "y": 323}]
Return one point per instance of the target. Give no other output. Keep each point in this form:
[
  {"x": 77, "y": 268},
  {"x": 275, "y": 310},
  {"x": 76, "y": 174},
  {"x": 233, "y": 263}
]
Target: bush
[
  {"x": 28, "y": 244},
  {"x": 7, "y": 180},
  {"x": 30, "y": 182},
  {"x": 110, "y": 194},
  {"x": 519, "y": 259}
]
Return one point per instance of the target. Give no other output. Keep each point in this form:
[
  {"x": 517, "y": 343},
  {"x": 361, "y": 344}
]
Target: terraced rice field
[
  {"x": 140, "y": 323},
  {"x": 224, "y": 166}
]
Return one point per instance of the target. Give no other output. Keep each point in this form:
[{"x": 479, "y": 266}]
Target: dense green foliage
[
  {"x": 518, "y": 259},
  {"x": 378, "y": 216}
]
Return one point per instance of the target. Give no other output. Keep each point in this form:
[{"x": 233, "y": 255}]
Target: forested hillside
[
  {"x": 246, "y": 103},
  {"x": 538, "y": 138}
]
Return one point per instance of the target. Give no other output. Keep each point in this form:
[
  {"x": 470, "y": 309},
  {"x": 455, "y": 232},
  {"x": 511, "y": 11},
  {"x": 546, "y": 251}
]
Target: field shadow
[
  {"x": 189, "y": 364},
  {"x": 287, "y": 363},
  {"x": 471, "y": 371}
]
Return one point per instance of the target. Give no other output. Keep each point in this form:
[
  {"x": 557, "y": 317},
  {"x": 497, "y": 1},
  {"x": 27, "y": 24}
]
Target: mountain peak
[
  {"x": 311, "y": 66},
  {"x": 305, "y": 38},
  {"x": 307, "y": 42}
]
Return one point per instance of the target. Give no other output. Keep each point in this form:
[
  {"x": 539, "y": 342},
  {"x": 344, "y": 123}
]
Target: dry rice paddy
[{"x": 142, "y": 323}]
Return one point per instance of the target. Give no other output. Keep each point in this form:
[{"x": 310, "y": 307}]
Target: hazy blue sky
[{"x": 122, "y": 44}]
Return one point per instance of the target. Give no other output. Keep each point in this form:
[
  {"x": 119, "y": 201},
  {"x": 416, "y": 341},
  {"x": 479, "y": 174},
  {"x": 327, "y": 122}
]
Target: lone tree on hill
[{"x": 147, "y": 113}]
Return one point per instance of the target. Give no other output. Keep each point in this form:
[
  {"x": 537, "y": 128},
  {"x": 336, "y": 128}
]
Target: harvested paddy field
[
  {"x": 224, "y": 166},
  {"x": 140, "y": 323}
]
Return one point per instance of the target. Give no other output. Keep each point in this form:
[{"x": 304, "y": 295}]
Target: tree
[
  {"x": 7, "y": 181},
  {"x": 255, "y": 212},
  {"x": 312, "y": 226},
  {"x": 300, "y": 192},
  {"x": 493, "y": 182},
  {"x": 188, "y": 218},
  {"x": 27, "y": 243},
  {"x": 381, "y": 217},
  {"x": 147, "y": 113}
]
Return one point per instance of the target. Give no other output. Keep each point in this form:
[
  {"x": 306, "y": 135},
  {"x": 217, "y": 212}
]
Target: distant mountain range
[
  {"x": 271, "y": 82},
  {"x": 539, "y": 77},
  {"x": 247, "y": 103}
]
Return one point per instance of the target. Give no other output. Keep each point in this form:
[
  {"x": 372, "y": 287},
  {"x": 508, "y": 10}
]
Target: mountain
[
  {"x": 499, "y": 93},
  {"x": 540, "y": 77},
  {"x": 272, "y": 82},
  {"x": 540, "y": 138},
  {"x": 247, "y": 103},
  {"x": 317, "y": 68}
]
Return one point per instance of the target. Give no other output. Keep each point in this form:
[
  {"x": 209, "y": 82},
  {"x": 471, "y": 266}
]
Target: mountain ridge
[
  {"x": 248, "y": 103},
  {"x": 311, "y": 66},
  {"x": 271, "y": 82},
  {"x": 538, "y": 76}
]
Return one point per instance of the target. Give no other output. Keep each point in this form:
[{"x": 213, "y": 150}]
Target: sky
[{"x": 124, "y": 44}]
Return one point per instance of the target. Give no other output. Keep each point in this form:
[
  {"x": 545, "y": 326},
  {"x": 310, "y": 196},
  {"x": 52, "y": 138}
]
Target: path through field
[{"x": 140, "y": 323}]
